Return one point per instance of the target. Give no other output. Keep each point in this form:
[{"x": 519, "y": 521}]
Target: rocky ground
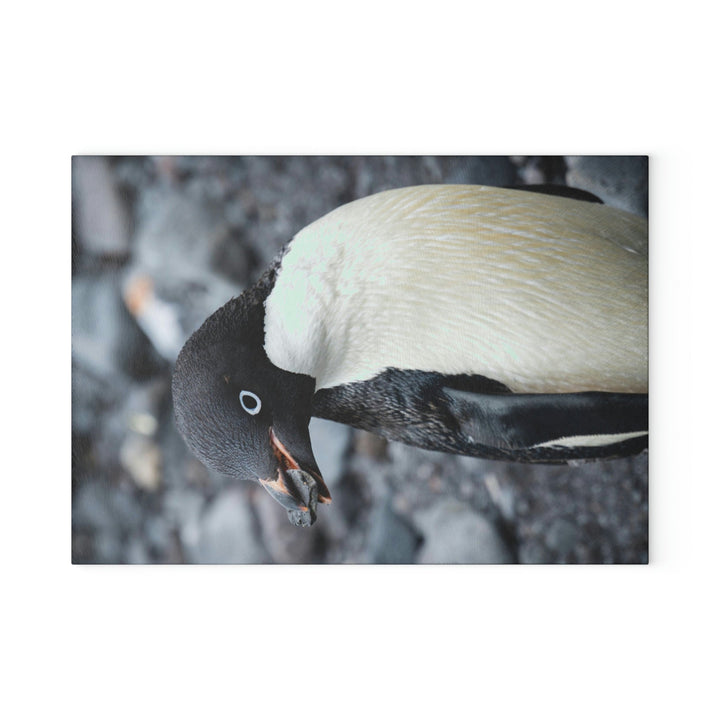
[{"x": 158, "y": 244}]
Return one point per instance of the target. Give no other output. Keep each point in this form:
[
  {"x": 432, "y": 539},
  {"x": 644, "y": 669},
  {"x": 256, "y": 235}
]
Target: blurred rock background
[{"x": 161, "y": 242}]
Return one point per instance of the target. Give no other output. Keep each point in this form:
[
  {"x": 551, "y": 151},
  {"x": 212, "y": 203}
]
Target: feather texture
[{"x": 543, "y": 294}]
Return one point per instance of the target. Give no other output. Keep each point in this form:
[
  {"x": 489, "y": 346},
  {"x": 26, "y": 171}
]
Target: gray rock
[
  {"x": 127, "y": 432},
  {"x": 182, "y": 508},
  {"x": 91, "y": 507},
  {"x": 142, "y": 459},
  {"x": 142, "y": 408},
  {"x": 108, "y": 548},
  {"x": 392, "y": 540},
  {"x": 455, "y": 534},
  {"x": 158, "y": 535},
  {"x": 489, "y": 170},
  {"x": 227, "y": 532},
  {"x": 619, "y": 180},
  {"x": 160, "y": 320},
  {"x": 528, "y": 170},
  {"x": 136, "y": 553},
  {"x": 171, "y": 286},
  {"x": 330, "y": 441},
  {"x": 177, "y": 233},
  {"x": 370, "y": 445},
  {"x": 501, "y": 494},
  {"x": 106, "y": 514},
  {"x": 97, "y": 505},
  {"x": 106, "y": 342},
  {"x": 102, "y": 224},
  {"x": 534, "y": 553},
  {"x": 92, "y": 396},
  {"x": 539, "y": 169},
  {"x": 83, "y": 547},
  {"x": 562, "y": 536},
  {"x": 602, "y": 507},
  {"x": 100, "y": 325}
]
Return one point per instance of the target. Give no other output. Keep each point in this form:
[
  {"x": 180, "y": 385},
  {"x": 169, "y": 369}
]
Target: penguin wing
[{"x": 552, "y": 427}]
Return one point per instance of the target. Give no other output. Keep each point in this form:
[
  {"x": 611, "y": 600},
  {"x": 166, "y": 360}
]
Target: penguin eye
[{"x": 250, "y": 402}]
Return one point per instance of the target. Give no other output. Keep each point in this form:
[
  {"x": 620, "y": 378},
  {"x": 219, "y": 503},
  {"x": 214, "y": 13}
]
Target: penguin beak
[{"x": 297, "y": 487}]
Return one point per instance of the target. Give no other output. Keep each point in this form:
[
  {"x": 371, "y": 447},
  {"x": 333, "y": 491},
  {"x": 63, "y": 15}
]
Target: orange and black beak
[{"x": 297, "y": 485}]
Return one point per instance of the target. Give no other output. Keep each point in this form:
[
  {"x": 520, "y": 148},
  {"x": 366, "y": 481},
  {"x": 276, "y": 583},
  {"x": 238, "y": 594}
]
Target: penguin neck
[{"x": 432, "y": 279}]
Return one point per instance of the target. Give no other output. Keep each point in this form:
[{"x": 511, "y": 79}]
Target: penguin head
[{"x": 244, "y": 417}]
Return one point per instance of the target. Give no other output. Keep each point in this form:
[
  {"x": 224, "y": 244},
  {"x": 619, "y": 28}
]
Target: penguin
[{"x": 501, "y": 323}]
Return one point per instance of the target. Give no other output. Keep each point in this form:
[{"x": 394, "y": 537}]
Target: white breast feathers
[{"x": 542, "y": 293}]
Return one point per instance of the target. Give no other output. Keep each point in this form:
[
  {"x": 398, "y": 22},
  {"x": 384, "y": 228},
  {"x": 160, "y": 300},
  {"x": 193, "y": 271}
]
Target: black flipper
[
  {"x": 552, "y": 427},
  {"x": 475, "y": 415},
  {"x": 559, "y": 191}
]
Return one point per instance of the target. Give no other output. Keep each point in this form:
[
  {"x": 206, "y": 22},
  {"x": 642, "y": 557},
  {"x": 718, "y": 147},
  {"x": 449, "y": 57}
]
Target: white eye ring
[{"x": 255, "y": 403}]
